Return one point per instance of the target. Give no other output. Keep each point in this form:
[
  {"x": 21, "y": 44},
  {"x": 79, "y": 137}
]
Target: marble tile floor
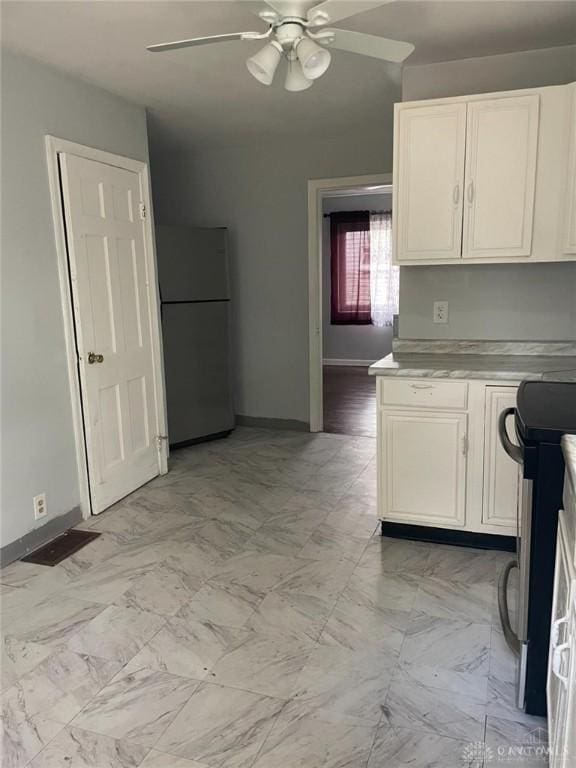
[{"x": 244, "y": 612}]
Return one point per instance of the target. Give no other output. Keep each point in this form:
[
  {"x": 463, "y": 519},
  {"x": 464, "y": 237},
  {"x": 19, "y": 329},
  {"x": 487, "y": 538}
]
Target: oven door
[
  {"x": 523, "y": 550},
  {"x": 516, "y": 631}
]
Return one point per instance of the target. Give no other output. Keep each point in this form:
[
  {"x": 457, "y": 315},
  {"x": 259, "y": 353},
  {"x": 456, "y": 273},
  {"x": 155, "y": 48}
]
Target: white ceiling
[{"x": 206, "y": 94}]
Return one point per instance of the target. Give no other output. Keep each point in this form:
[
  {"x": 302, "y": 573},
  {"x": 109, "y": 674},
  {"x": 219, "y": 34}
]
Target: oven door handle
[
  {"x": 510, "y": 636},
  {"x": 514, "y": 451}
]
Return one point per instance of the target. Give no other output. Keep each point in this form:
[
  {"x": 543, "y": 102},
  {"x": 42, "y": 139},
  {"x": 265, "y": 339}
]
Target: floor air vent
[{"x": 61, "y": 547}]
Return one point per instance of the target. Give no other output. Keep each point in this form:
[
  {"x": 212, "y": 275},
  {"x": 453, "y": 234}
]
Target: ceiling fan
[{"x": 294, "y": 34}]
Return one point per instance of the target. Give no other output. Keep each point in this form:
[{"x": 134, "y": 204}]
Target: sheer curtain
[{"x": 384, "y": 277}]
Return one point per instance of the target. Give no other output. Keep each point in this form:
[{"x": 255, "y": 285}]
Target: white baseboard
[{"x": 327, "y": 361}]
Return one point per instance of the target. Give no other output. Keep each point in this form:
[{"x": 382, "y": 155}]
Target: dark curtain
[{"x": 350, "y": 268}]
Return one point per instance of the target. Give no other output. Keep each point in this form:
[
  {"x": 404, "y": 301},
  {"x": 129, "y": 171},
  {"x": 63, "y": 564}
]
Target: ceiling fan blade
[
  {"x": 336, "y": 10},
  {"x": 370, "y": 45},
  {"x": 202, "y": 41}
]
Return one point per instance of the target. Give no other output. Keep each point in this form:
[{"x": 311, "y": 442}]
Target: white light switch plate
[{"x": 440, "y": 312}]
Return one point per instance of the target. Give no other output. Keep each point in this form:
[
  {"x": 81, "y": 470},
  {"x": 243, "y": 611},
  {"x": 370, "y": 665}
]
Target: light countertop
[
  {"x": 483, "y": 366},
  {"x": 569, "y": 450}
]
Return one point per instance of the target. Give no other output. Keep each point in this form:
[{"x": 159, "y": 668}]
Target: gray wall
[
  {"x": 260, "y": 194},
  {"x": 506, "y": 302},
  {"x": 350, "y": 342},
  {"x": 38, "y": 451},
  {"x": 520, "y": 302},
  {"x": 504, "y": 72}
]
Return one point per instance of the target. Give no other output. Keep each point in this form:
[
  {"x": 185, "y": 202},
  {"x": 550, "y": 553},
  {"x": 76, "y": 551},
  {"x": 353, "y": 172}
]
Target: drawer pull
[{"x": 422, "y": 386}]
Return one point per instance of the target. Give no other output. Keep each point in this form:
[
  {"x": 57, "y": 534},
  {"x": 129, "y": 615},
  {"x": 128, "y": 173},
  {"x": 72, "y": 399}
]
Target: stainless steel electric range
[{"x": 544, "y": 412}]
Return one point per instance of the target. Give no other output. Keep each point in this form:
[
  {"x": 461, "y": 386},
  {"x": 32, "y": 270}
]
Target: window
[
  {"x": 350, "y": 263},
  {"x": 365, "y": 284}
]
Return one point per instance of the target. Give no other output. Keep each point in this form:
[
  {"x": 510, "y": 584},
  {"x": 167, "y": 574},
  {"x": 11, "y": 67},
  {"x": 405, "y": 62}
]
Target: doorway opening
[{"x": 353, "y": 299}]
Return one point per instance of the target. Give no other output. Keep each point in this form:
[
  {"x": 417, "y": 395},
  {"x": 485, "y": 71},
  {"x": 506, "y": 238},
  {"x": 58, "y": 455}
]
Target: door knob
[{"x": 94, "y": 358}]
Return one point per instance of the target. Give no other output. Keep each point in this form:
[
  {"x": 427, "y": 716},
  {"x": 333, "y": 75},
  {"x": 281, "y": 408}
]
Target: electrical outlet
[
  {"x": 39, "y": 503},
  {"x": 440, "y": 312}
]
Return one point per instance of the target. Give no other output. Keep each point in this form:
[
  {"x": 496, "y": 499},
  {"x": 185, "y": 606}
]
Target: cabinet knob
[
  {"x": 470, "y": 192},
  {"x": 456, "y": 194}
]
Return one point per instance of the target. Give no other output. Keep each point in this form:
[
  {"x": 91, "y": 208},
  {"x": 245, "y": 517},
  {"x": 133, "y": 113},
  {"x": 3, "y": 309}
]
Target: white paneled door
[{"x": 112, "y": 311}]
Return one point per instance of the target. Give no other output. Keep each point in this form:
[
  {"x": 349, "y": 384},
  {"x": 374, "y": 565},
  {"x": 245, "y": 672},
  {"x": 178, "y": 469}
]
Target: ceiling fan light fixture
[
  {"x": 297, "y": 32},
  {"x": 296, "y": 80},
  {"x": 314, "y": 59},
  {"x": 263, "y": 64}
]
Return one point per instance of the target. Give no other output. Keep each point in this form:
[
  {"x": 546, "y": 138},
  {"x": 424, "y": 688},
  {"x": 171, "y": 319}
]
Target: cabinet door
[
  {"x": 501, "y": 151},
  {"x": 428, "y": 183},
  {"x": 568, "y": 731},
  {"x": 501, "y": 473},
  {"x": 423, "y": 467},
  {"x": 557, "y": 689},
  {"x": 569, "y": 223}
]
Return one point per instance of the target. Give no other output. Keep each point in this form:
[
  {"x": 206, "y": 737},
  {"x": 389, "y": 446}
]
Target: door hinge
[
  {"x": 142, "y": 209},
  {"x": 465, "y": 445},
  {"x": 160, "y": 439}
]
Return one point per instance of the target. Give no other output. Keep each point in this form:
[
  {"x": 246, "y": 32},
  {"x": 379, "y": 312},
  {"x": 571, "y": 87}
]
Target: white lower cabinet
[
  {"x": 501, "y": 485},
  {"x": 440, "y": 462},
  {"x": 561, "y": 687},
  {"x": 424, "y": 462}
]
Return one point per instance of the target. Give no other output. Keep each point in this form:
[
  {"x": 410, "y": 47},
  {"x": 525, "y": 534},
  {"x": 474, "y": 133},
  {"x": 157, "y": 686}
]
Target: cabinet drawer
[{"x": 423, "y": 393}]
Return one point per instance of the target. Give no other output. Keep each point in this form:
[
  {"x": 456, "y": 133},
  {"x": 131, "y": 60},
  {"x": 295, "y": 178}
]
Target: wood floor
[{"x": 349, "y": 401}]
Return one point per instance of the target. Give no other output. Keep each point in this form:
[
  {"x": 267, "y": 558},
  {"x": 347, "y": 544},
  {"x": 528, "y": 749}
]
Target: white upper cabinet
[
  {"x": 486, "y": 178},
  {"x": 569, "y": 223},
  {"x": 430, "y": 172},
  {"x": 501, "y": 151}
]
